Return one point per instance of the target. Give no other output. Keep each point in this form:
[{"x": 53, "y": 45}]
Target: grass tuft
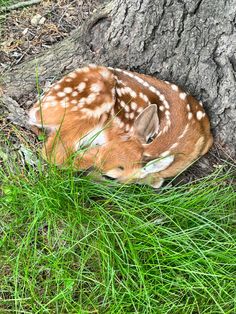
[
  {"x": 6, "y": 3},
  {"x": 70, "y": 245}
]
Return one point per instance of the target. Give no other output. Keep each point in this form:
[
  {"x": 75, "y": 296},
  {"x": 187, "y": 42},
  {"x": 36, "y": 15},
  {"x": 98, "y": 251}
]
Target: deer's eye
[
  {"x": 150, "y": 139},
  {"x": 121, "y": 168}
]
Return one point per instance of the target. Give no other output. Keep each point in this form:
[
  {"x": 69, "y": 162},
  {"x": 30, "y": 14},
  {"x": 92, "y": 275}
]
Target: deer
[{"x": 132, "y": 127}]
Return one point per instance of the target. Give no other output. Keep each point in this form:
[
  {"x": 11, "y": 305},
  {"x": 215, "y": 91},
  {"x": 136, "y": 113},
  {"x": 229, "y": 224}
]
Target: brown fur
[{"x": 124, "y": 153}]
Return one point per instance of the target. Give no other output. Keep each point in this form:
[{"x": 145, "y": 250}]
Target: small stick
[{"x": 19, "y": 5}]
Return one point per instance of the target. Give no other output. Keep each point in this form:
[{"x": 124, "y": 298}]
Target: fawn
[{"x": 135, "y": 128}]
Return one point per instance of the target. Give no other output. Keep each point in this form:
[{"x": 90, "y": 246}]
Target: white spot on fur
[
  {"x": 68, "y": 90},
  {"x": 119, "y": 92},
  {"x": 188, "y": 107},
  {"x": 127, "y": 109},
  {"x": 46, "y": 105},
  {"x": 161, "y": 108},
  {"x": 164, "y": 154},
  {"x": 159, "y": 134},
  {"x": 85, "y": 69},
  {"x": 68, "y": 79},
  {"x": 75, "y": 94},
  {"x": 93, "y": 66},
  {"x": 121, "y": 125},
  {"x": 64, "y": 104},
  {"x": 199, "y": 115},
  {"x": 106, "y": 74},
  {"x": 153, "y": 89},
  {"x": 74, "y": 101},
  {"x": 138, "y": 79},
  {"x": 49, "y": 98},
  {"x": 131, "y": 116},
  {"x": 53, "y": 103},
  {"x": 127, "y": 115},
  {"x": 91, "y": 98},
  {"x": 162, "y": 97},
  {"x": 130, "y": 74},
  {"x": 61, "y": 94},
  {"x": 95, "y": 88},
  {"x": 184, "y": 132},
  {"x": 174, "y": 87},
  {"x": 145, "y": 84},
  {"x": 144, "y": 97},
  {"x": 168, "y": 122},
  {"x": 174, "y": 145},
  {"x": 81, "y": 87},
  {"x": 123, "y": 104},
  {"x": 83, "y": 101},
  {"x": 124, "y": 90},
  {"x": 133, "y": 105},
  {"x": 166, "y": 104},
  {"x": 117, "y": 120},
  {"x": 127, "y": 127},
  {"x": 133, "y": 94},
  {"x": 72, "y": 75},
  {"x": 182, "y": 96},
  {"x": 200, "y": 103},
  {"x": 96, "y": 113},
  {"x": 57, "y": 87},
  {"x": 119, "y": 81},
  {"x": 165, "y": 129},
  {"x": 113, "y": 92},
  {"x": 190, "y": 115}
]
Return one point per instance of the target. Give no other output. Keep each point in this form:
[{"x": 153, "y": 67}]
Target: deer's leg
[
  {"x": 61, "y": 148},
  {"x": 56, "y": 149},
  {"x": 153, "y": 180}
]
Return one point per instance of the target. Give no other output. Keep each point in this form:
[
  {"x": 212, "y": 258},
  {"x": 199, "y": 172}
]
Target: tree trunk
[{"x": 189, "y": 42}]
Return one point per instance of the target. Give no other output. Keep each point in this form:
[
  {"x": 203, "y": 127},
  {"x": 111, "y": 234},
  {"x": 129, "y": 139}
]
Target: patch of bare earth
[{"x": 27, "y": 31}]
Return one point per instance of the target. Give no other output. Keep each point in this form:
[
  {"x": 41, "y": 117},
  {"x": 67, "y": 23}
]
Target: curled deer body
[{"x": 136, "y": 128}]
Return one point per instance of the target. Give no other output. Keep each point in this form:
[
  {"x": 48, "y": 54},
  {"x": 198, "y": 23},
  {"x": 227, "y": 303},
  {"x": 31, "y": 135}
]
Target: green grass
[
  {"x": 6, "y": 2},
  {"x": 70, "y": 245}
]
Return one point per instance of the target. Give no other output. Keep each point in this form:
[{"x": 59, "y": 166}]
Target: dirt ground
[{"x": 28, "y": 31}]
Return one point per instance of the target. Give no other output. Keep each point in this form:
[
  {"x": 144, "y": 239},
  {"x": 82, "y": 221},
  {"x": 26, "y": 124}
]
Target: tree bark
[{"x": 189, "y": 42}]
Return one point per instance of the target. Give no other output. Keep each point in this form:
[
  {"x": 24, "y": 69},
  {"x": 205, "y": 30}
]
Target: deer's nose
[
  {"x": 108, "y": 178},
  {"x": 87, "y": 171}
]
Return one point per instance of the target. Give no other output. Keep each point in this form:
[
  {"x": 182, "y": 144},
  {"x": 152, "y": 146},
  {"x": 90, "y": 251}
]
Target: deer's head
[{"x": 122, "y": 156}]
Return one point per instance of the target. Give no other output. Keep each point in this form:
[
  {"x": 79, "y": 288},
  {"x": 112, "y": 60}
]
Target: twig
[{"x": 19, "y": 5}]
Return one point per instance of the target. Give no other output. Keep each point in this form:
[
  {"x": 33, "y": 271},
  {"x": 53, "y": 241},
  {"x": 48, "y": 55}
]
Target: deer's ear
[{"x": 147, "y": 123}]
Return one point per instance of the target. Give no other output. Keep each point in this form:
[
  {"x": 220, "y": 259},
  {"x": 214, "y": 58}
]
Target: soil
[{"x": 27, "y": 31}]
